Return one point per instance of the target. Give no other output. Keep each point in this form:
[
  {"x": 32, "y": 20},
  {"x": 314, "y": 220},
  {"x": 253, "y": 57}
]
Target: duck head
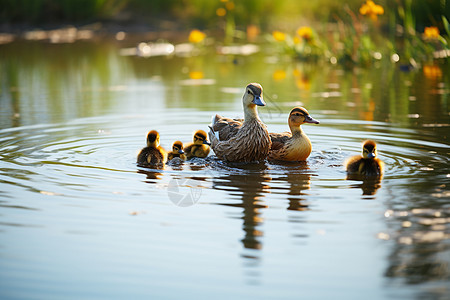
[
  {"x": 177, "y": 147},
  {"x": 369, "y": 149},
  {"x": 300, "y": 115},
  {"x": 153, "y": 139},
  {"x": 200, "y": 138},
  {"x": 253, "y": 95}
]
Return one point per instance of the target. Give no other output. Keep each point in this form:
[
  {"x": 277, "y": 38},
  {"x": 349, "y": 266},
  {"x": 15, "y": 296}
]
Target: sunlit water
[{"x": 79, "y": 219}]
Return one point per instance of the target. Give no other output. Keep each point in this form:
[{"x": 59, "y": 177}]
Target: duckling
[
  {"x": 152, "y": 155},
  {"x": 294, "y": 145},
  {"x": 177, "y": 151},
  {"x": 367, "y": 164},
  {"x": 200, "y": 146},
  {"x": 238, "y": 140}
]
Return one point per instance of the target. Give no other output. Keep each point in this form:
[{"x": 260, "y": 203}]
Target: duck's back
[
  {"x": 289, "y": 148},
  {"x": 193, "y": 150},
  {"x": 150, "y": 156},
  {"x": 364, "y": 166},
  {"x": 244, "y": 142},
  {"x": 226, "y": 127}
]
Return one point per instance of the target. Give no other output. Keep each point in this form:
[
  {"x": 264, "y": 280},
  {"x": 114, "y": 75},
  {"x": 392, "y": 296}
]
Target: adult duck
[
  {"x": 238, "y": 140},
  {"x": 294, "y": 145}
]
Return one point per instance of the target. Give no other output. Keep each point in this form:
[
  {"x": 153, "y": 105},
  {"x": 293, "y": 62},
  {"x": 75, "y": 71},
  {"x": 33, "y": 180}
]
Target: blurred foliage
[
  {"x": 205, "y": 13},
  {"x": 51, "y": 11},
  {"x": 354, "y": 32}
]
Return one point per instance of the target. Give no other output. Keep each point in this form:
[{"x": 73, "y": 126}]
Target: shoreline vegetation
[{"x": 357, "y": 33}]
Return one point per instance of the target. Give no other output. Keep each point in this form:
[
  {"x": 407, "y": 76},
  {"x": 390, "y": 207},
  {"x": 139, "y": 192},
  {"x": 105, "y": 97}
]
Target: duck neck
[
  {"x": 250, "y": 113},
  {"x": 295, "y": 129}
]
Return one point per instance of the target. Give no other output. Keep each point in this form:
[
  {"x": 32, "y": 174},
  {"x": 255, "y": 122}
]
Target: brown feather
[
  {"x": 364, "y": 166},
  {"x": 249, "y": 142}
]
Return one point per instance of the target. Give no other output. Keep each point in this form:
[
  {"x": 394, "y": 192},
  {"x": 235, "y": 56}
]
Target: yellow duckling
[
  {"x": 367, "y": 164},
  {"x": 245, "y": 140},
  {"x": 177, "y": 151},
  {"x": 200, "y": 146},
  {"x": 294, "y": 145},
  {"x": 152, "y": 155}
]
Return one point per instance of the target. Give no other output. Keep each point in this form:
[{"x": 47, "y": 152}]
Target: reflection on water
[
  {"x": 248, "y": 189},
  {"x": 299, "y": 180},
  {"x": 73, "y": 118},
  {"x": 369, "y": 185}
]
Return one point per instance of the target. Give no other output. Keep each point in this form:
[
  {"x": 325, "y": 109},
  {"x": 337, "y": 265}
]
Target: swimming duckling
[
  {"x": 177, "y": 151},
  {"x": 367, "y": 164},
  {"x": 152, "y": 155},
  {"x": 294, "y": 145},
  {"x": 245, "y": 140},
  {"x": 200, "y": 146}
]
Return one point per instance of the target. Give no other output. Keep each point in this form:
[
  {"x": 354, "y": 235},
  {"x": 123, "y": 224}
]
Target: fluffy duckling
[
  {"x": 242, "y": 140},
  {"x": 200, "y": 146},
  {"x": 367, "y": 164},
  {"x": 294, "y": 145},
  {"x": 177, "y": 151},
  {"x": 152, "y": 155}
]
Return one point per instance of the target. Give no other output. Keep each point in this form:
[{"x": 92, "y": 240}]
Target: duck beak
[
  {"x": 258, "y": 101},
  {"x": 309, "y": 119},
  {"x": 371, "y": 155},
  {"x": 181, "y": 151},
  {"x": 206, "y": 143}
]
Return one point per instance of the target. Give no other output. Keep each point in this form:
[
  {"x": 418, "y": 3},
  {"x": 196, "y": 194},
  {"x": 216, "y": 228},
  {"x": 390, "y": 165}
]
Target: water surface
[{"x": 79, "y": 219}]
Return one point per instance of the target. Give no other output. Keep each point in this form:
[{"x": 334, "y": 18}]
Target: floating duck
[
  {"x": 177, "y": 151},
  {"x": 238, "y": 140},
  {"x": 367, "y": 164},
  {"x": 152, "y": 155},
  {"x": 294, "y": 145},
  {"x": 200, "y": 146}
]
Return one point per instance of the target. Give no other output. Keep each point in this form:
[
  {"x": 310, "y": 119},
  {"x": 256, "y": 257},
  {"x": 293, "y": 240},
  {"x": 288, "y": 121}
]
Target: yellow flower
[
  {"x": 229, "y": 5},
  {"x": 196, "y": 36},
  {"x": 371, "y": 9},
  {"x": 221, "y": 12},
  {"x": 305, "y": 33},
  {"x": 279, "y": 36},
  {"x": 432, "y": 71},
  {"x": 431, "y": 33}
]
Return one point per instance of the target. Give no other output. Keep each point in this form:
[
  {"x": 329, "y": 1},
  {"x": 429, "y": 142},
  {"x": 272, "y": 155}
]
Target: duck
[
  {"x": 366, "y": 164},
  {"x": 242, "y": 140},
  {"x": 153, "y": 155},
  {"x": 200, "y": 146},
  {"x": 294, "y": 145},
  {"x": 177, "y": 151}
]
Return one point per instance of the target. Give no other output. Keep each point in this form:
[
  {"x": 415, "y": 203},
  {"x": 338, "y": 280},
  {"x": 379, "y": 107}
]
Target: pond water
[{"x": 79, "y": 219}]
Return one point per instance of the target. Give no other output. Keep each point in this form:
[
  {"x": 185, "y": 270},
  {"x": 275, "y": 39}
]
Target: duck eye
[{"x": 248, "y": 92}]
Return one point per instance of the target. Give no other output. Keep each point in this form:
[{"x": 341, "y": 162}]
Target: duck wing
[
  {"x": 279, "y": 140},
  {"x": 225, "y": 128},
  {"x": 250, "y": 143}
]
